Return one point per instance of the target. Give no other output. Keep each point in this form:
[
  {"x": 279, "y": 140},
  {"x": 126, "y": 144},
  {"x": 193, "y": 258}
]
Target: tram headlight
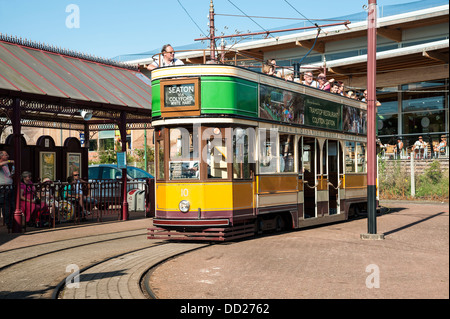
[{"x": 184, "y": 206}]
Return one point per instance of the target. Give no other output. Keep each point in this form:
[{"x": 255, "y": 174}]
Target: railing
[
  {"x": 228, "y": 57},
  {"x": 430, "y": 149},
  {"x": 52, "y": 203}
]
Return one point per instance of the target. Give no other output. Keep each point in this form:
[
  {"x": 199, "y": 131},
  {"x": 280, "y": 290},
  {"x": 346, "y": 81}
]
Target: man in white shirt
[
  {"x": 419, "y": 147},
  {"x": 167, "y": 59},
  {"x": 7, "y": 202},
  {"x": 309, "y": 80}
]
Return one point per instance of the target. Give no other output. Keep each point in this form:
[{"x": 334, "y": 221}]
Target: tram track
[
  {"x": 125, "y": 276},
  {"x": 108, "y": 264},
  {"x": 23, "y": 254}
]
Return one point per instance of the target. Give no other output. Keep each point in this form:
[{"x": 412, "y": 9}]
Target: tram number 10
[{"x": 184, "y": 192}]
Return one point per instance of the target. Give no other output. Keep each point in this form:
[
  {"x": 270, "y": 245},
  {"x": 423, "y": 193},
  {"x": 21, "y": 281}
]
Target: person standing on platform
[{"x": 7, "y": 198}]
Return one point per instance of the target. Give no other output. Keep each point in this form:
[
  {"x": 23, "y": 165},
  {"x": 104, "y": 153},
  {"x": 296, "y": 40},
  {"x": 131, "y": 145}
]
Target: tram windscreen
[{"x": 183, "y": 154}]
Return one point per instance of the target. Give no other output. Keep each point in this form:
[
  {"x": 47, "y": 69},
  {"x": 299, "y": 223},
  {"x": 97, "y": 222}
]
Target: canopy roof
[{"x": 55, "y": 85}]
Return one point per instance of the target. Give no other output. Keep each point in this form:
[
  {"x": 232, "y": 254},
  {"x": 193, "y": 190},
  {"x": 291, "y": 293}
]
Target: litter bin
[
  {"x": 131, "y": 199},
  {"x": 140, "y": 200}
]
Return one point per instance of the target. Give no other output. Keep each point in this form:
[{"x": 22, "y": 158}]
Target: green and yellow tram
[{"x": 239, "y": 152}]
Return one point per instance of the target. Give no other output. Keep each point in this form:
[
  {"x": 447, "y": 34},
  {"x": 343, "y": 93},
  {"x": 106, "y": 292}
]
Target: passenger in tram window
[
  {"x": 309, "y": 80},
  {"x": 324, "y": 85},
  {"x": 167, "y": 59}
]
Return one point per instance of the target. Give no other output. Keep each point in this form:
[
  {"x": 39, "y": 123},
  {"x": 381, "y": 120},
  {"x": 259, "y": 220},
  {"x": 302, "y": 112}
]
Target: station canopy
[{"x": 55, "y": 85}]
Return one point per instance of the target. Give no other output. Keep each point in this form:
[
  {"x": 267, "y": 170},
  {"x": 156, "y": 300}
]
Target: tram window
[
  {"x": 350, "y": 157},
  {"x": 300, "y": 155},
  {"x": 241, "y": 154},
  {"x": 287, "y": 153},
  {"x": 159, "y": 147},
  {"x": 183, "y": 154},
  {"x": 216, "y": 153},
  {"x": 332, "y": 156},
  {"x": 361, "y": 157},
  {"x": 307, "y": 159},
  {"x": 267, "y": 151},
  {"x": 324, "y": 158}
]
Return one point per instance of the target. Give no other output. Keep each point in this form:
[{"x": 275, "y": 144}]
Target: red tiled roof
[{"x": 38, "y": 71}]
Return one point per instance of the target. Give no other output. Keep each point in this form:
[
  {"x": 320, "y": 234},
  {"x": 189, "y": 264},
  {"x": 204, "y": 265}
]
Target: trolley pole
[
  {"x": 371, "y": 120},
  {"x": 212, "y": 32}
]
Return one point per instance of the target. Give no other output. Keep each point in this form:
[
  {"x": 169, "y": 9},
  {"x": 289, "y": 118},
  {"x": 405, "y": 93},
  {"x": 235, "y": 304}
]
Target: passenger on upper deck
[
  {"x": 335, "y": 88},
  {"x": 309, "y": 80},
  {"x": 364, "y": 99},
  {"x": 324, "y": 85},
  {"x": 341, "y": 88},
  {"x": 168, "y": 58},
  {"x": 270, "y": 68}
]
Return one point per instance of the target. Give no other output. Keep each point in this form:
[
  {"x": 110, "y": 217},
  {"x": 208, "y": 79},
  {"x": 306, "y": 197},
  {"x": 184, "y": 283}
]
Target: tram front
[{"x": 204, "y": 180}]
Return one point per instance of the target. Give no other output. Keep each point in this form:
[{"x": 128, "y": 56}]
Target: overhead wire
[
  {"x": 279, "y": 18},
  {"x": 268, "y": 34},
  {"x": 300, "y": 13},
  {"x": 317, "y": 36},
  {"x": 201, "y": 31}
]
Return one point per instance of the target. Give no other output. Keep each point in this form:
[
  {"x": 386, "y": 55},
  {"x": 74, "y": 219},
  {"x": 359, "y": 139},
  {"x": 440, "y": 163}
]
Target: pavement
[
  {"x": 315, "y": 263},
  {"x": 326, "y": 262}
]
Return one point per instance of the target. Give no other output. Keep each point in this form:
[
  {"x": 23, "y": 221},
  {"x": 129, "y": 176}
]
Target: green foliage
[
  {"x": 395, "y": 182},
  {"x": 433, "y": 183}
]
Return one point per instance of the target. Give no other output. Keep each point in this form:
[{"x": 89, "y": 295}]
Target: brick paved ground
[{"x": 323, "y": 262}]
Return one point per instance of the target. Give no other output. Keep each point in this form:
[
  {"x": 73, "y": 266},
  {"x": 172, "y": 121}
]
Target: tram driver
[{"x": 167, "y": 59}]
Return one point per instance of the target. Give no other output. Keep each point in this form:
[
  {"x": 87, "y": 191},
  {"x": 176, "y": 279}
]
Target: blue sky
[{"x": 108, "y": 28}]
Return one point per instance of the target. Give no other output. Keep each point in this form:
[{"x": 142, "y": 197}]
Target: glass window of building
[{"x": 424, "y": 107}]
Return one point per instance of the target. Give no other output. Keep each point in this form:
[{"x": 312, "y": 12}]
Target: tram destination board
[{"x": 180, "y": 94}]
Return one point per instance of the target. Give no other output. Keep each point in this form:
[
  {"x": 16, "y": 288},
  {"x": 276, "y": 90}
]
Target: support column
[
  {"x": 371, "y": 123},
  {"x": 17, "y": 137},
  {"x": 123, "y": 137}
]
